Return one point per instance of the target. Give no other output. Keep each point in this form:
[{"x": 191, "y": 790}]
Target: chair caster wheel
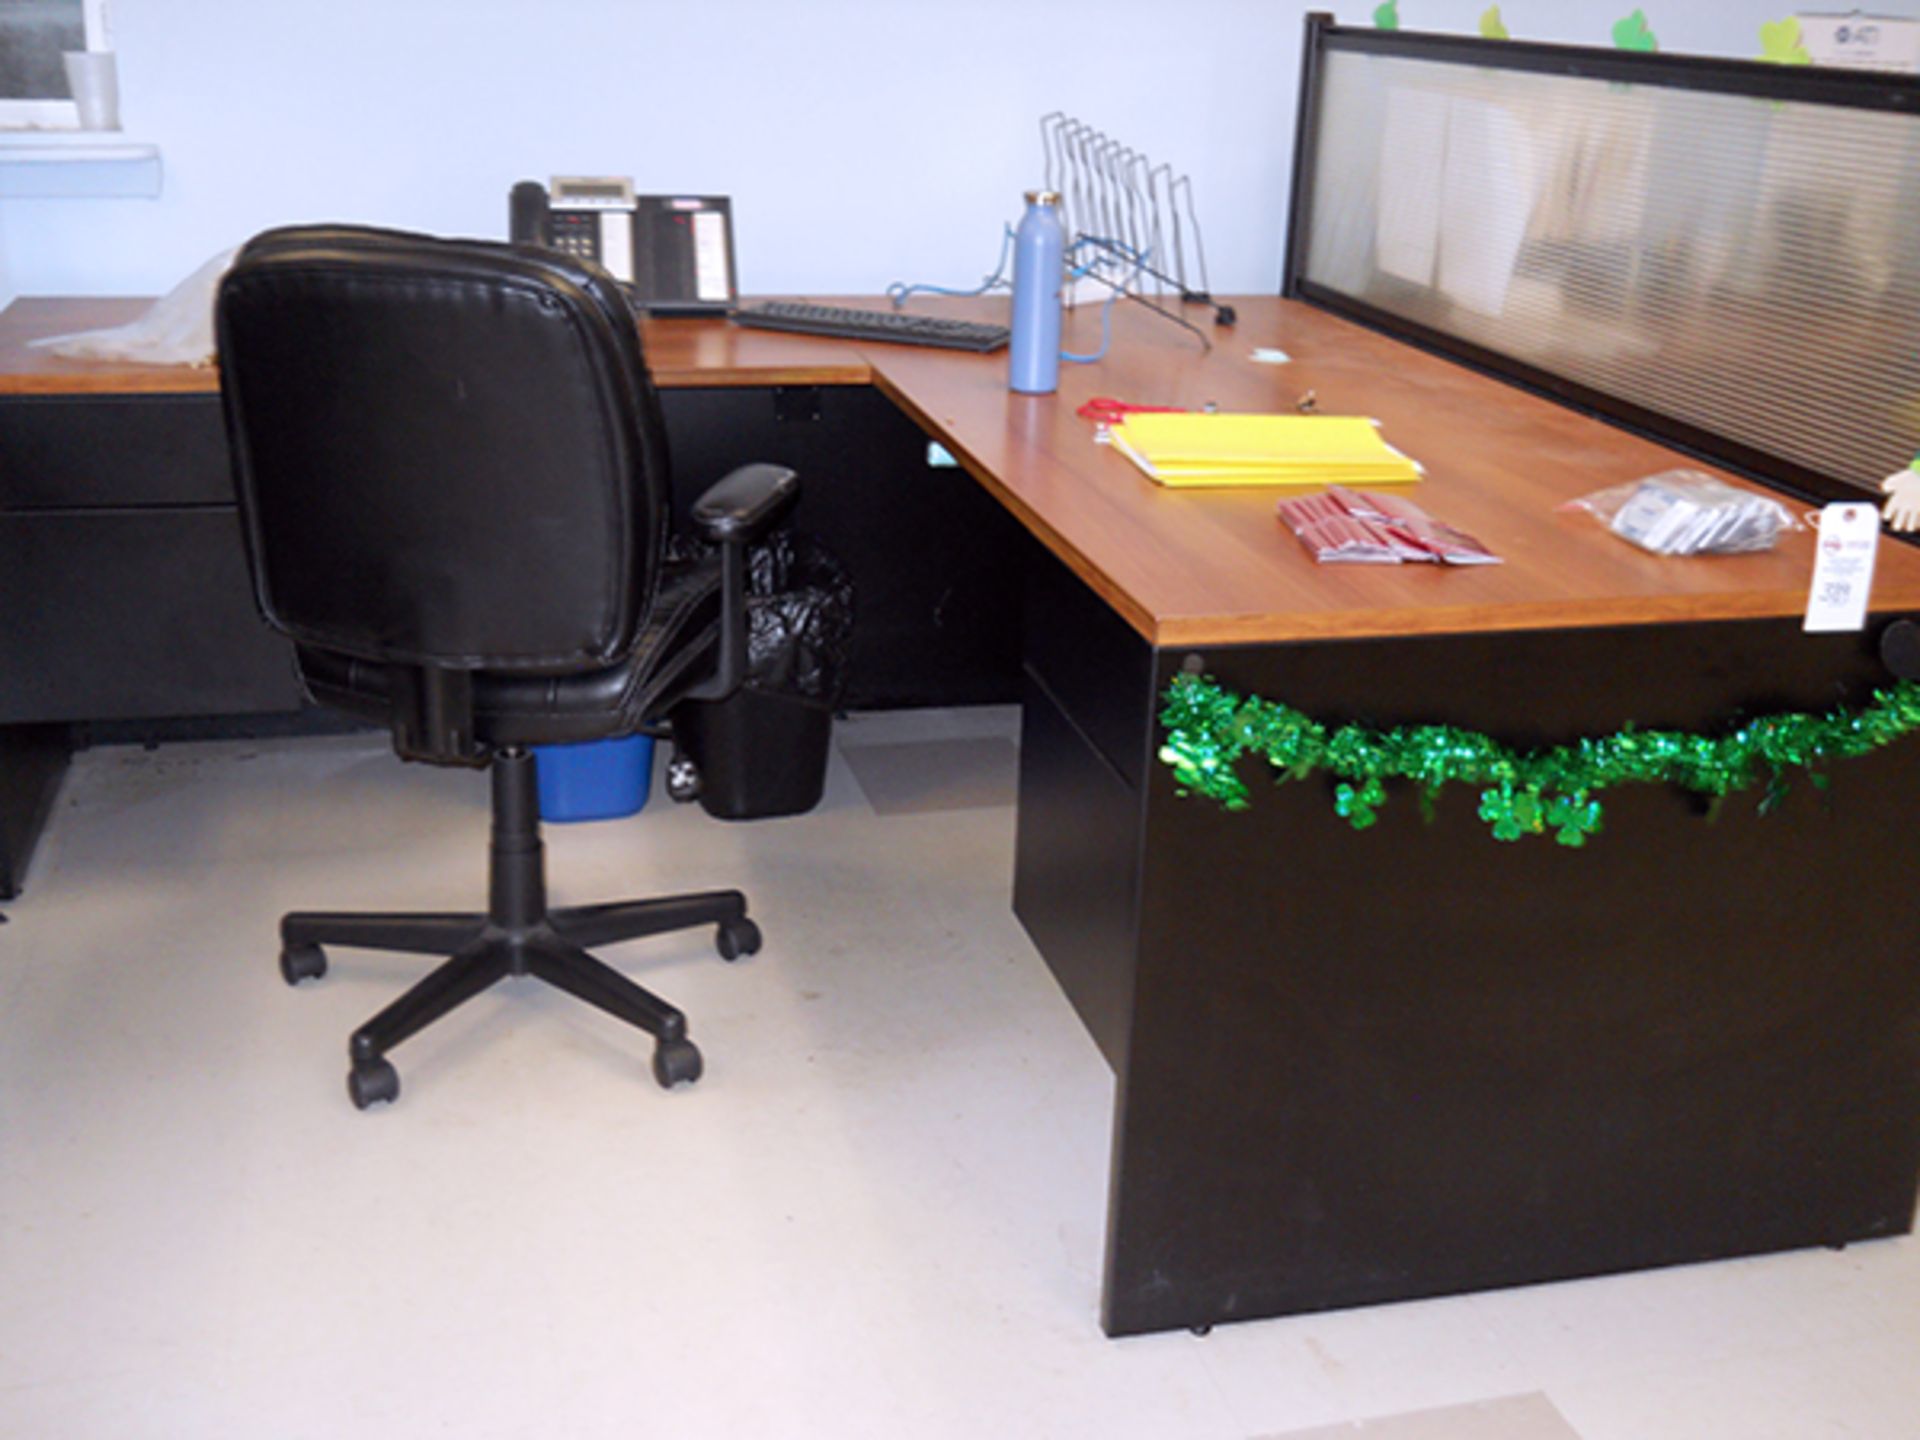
[
  {"x": 302, "y": 962},
  {"x": 371, "y": 1081},
  {"x": 675, "y": 1061},
  {"x": 683, "y": 779},
  {"x": 735, "y": 938}
]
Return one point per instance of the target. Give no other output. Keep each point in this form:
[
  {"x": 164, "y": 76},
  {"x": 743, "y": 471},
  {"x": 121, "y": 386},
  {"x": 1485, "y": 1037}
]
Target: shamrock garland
[{"x": 1524, "y": 792}]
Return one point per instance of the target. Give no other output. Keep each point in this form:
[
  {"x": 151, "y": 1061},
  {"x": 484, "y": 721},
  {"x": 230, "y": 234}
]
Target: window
[{"x": 33, "y": 82}]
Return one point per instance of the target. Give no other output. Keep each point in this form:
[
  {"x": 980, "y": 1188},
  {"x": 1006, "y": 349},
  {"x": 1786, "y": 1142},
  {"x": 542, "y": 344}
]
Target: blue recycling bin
[{"x": 594, "y": 780}]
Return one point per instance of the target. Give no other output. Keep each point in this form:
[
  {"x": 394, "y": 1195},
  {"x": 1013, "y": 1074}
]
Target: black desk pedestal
[{"x": 1361, "y": 1066}]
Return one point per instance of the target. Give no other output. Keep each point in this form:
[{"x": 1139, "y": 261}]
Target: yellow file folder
[{"x": 1200, "y": 449}]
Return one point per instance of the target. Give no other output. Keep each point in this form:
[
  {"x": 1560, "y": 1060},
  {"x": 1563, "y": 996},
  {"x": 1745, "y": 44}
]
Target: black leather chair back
[{"x": 448, "y": 453}]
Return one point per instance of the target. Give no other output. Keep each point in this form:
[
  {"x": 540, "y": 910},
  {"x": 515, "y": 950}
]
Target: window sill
[{"x": 39, "y": 163}]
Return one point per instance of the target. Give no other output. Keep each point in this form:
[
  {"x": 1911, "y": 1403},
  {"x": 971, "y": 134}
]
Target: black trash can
[{"x": 762, "y": 751}]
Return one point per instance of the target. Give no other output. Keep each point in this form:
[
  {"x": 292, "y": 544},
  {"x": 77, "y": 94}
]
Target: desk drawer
[
  {"x": 82, "y": 451},
  {"x": 133, "y": 614},
  {"x": 1093, "y": 665},
  {"x": 1076, "y": 880}
]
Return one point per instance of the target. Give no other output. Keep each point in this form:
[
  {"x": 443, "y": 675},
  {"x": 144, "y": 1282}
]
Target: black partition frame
[{"x": 1854, "y": 89}]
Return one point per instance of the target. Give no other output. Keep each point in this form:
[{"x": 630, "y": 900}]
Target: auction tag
[{"x": 1843, "y": 567}]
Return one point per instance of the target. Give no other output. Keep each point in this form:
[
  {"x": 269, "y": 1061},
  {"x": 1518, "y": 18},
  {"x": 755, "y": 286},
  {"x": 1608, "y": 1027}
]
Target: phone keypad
[{"x": 576, "y": 233}]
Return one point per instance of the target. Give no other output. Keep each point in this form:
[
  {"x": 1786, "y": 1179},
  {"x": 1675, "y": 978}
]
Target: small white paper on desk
[{"x": 1843, "y": 568}]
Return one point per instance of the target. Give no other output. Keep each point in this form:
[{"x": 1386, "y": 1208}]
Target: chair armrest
[
  {"x": 745, "y": 504},
  {"x": 733, "y": 513}
]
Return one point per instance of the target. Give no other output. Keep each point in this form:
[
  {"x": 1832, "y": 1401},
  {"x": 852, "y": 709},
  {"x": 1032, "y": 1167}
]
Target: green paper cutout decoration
[
  {"x": 1780, "y": 42},
  {"x": 1492, "y": 27},
  {"x": 1387, "y": 16},
  {"x": 1633, "y": 33}
]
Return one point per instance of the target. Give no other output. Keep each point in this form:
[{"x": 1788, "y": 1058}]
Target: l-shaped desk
[{"x": 1352, "y": 1065}]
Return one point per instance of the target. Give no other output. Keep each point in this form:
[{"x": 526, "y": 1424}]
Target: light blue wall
[{"x": 863, "y": 141}]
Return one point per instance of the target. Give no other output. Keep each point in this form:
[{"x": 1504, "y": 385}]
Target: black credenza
[{"x": 128, "y": 610}]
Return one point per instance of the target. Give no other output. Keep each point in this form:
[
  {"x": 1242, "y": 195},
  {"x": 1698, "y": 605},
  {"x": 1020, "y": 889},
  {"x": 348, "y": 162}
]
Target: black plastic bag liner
[
  {"x": 799, "y": 617},
  {"x": 799, "y": 614}
]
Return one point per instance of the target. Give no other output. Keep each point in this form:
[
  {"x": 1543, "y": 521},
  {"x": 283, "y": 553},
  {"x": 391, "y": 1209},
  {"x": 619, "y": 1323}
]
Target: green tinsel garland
[{"x": 1525, "y": 793}]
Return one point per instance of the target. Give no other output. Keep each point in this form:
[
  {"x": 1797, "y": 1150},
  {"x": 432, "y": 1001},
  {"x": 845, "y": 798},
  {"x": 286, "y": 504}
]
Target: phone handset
[{"x": 527, "y": 213}]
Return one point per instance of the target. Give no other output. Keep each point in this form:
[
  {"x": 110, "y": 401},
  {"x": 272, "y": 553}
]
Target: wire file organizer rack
[{"x": 1132, "y": 224}]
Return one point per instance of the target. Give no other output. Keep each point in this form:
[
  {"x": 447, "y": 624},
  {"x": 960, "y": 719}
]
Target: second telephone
[{"x": 674, "y": 253}]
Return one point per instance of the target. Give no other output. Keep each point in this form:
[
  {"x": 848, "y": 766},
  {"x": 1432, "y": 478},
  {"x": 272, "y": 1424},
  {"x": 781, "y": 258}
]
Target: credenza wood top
[
  {"x": 680, "y": 353},
  {"x": 1194, "y": 568},
  {"x": 26, "y": 370}
]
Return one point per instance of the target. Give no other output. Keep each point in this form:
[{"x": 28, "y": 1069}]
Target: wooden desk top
[{"x": 1216, "y": 567}]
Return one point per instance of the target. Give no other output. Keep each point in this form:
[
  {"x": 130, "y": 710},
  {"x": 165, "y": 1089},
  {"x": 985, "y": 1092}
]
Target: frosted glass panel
[{"x": 1745, "y": 266}]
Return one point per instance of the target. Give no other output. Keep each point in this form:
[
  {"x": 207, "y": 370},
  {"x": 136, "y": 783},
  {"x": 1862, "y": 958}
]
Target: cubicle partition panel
[{"x": 1720, "y": 253}]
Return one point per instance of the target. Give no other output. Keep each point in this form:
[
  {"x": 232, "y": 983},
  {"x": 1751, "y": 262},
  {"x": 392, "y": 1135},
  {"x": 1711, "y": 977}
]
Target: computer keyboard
[{"x": 846, "y": 323}]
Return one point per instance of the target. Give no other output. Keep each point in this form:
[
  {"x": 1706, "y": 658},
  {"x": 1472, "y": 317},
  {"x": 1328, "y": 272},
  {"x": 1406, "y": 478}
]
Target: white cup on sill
[{"x": 96, "y": 90}]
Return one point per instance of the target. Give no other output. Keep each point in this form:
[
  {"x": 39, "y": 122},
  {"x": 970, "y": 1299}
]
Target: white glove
[{"x": 1902, "y": 508}]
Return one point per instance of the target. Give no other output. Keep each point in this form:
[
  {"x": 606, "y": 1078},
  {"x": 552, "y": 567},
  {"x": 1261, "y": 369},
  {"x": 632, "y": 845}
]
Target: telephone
[{"x": 674, "y": 253}]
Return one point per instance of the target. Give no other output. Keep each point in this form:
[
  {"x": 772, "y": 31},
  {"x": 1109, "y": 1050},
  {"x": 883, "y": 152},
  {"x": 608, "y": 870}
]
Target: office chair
[{"x": 452, "y": 480}]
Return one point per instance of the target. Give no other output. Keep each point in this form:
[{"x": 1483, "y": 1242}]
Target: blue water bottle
[{"x": 1039, "y": 254}]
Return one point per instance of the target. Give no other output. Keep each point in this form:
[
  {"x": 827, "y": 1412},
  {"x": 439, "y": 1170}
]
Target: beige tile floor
[{"x": 878, "y": 1215}]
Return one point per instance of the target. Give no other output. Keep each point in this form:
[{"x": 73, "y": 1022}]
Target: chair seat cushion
[{"x": 674, "y": 648}]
